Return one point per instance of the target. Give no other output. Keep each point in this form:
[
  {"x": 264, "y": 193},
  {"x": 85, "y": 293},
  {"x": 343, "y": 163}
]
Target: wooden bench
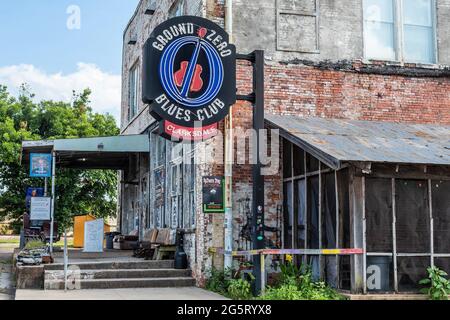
[{"x": 165, "y": 244}]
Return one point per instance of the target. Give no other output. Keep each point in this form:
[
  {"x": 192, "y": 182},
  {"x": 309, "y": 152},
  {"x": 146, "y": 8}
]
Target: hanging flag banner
[
  {"x": 189, "y": 77},
  {"x": 40, "y": 165}
]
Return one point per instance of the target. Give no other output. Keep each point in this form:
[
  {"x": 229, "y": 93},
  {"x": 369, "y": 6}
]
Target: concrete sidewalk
[
  {"x": 189, "y": 293},
  {"x": 6, "y": 276}
]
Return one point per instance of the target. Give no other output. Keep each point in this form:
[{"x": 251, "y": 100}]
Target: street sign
[
  {"x": 189, "y": 77},
  {"x": 40, "y": 208},
  {"x": 40, "y": 165}
]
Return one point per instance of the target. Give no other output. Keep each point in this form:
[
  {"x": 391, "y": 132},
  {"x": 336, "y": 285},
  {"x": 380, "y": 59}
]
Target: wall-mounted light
[{"x": 101, "y": 146}]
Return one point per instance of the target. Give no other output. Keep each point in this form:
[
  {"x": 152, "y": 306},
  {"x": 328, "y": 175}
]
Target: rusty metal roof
[{"x": 335, "y": 141}]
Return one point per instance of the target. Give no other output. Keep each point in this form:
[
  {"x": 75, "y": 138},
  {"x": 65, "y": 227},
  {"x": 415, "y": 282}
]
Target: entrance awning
[
  {"x": 90, "y": 153},
  {"x": 336, "y": 141}
]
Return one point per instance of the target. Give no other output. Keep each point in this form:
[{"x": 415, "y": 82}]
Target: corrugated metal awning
[
  {"x": 90, "y": 153},
  {"x": 334, "y": 141}
]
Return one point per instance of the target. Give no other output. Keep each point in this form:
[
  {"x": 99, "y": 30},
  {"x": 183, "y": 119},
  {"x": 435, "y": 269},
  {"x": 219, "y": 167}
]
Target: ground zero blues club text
[{"x": 189, "y": 77}]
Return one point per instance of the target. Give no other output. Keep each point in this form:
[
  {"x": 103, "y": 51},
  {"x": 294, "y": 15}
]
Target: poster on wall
[
  {"x": 40, "y": 208},
  {"x": 213, "y": 194},
  {"x": 93, "y": 235},
  {"x": 40, "y": 165}
]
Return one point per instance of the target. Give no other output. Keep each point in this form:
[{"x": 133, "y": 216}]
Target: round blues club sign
[{"x": 189, "y": 76}]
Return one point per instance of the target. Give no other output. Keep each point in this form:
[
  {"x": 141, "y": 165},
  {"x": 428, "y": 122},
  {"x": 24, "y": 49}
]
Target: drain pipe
[{"x": 228, "y": 259}]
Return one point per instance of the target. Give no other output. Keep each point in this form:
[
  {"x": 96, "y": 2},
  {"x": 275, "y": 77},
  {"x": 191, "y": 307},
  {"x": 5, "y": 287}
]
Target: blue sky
[{"x": 37, "y": 46}]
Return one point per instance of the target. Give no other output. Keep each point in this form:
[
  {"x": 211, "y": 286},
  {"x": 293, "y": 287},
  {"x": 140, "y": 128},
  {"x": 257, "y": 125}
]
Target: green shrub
[
  {"x": 297, "y": 283},
  {"x": 239, "y": 289},
  {"x": 284, "y": 292},
  {"x": 439, "y": 285},
  {"x": 218, "y": 281}
]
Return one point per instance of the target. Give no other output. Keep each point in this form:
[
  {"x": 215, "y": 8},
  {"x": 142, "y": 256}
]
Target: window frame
[
  {"x": 133, "y": 104},
  {"x": 399, "y": 40},
  {"x": 280, "y": 11}
]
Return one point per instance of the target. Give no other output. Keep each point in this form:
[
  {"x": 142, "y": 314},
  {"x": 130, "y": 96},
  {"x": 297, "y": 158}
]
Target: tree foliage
[{"x": 77, "y": 191}]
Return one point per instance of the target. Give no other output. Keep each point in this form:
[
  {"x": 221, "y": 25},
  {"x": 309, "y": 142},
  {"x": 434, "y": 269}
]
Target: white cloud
[{"x": 106, "y": 87}]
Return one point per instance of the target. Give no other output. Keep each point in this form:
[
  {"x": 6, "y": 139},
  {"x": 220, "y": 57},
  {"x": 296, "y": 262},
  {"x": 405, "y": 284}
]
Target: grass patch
[
  {"x": 10, "y": 241},
  {"x": 57, "y": 244},
  {"x": 60, "y": 243}
]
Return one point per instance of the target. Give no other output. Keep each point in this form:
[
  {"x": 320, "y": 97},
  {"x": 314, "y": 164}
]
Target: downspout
[{"x": 228, "y": 259}]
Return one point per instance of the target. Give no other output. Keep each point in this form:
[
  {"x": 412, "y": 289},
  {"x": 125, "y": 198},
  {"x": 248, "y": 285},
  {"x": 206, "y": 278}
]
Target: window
[
  {"x": 158, "y": 184},
  {"x": 191, "y": 222},
  {"x": 418, "y": 30},
  {"x": 295, "y": 15},
  {"x": 176, "y": 196},
  {"x": 177, "y": 9},
  {"x": 133, "y": 92},
  {"x": 401, "y": 30}
]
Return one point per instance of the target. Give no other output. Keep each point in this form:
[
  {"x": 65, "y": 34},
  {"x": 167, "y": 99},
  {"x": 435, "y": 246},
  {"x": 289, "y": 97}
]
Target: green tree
[{"x": 78, "y": 191}]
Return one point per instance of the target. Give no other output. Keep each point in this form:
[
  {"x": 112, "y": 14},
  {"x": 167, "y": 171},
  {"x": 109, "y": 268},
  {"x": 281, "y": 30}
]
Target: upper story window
[
  {"x": 178, "y": 9},
  {"x": 400, "y": 30},
  {"x": 133, "y": 92}
]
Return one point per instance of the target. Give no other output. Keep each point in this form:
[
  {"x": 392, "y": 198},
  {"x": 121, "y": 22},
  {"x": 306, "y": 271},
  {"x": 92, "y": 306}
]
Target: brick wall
[{"x": 297, "y": 89}]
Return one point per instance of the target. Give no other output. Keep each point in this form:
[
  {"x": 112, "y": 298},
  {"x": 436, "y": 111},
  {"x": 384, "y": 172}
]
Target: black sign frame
[{"x": 181, "y": 52}]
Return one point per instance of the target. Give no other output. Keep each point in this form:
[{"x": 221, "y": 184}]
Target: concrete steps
[
  {"x": 116, "y": 275},
  {"x": 123, "y": 283},
  {"x": 119, "y": 274},
  {"x": 150, "y": 264}
]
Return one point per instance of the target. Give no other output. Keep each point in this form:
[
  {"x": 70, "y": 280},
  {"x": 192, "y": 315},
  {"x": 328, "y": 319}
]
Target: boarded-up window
[
  {"x": 297, "y": 25},
  {"x": 413, "y": 218},
  {"x": 379, "y": 215}
]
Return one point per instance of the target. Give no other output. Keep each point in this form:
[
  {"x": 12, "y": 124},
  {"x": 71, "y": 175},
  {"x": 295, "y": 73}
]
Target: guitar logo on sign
[{"x": 193, "y": 81}]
